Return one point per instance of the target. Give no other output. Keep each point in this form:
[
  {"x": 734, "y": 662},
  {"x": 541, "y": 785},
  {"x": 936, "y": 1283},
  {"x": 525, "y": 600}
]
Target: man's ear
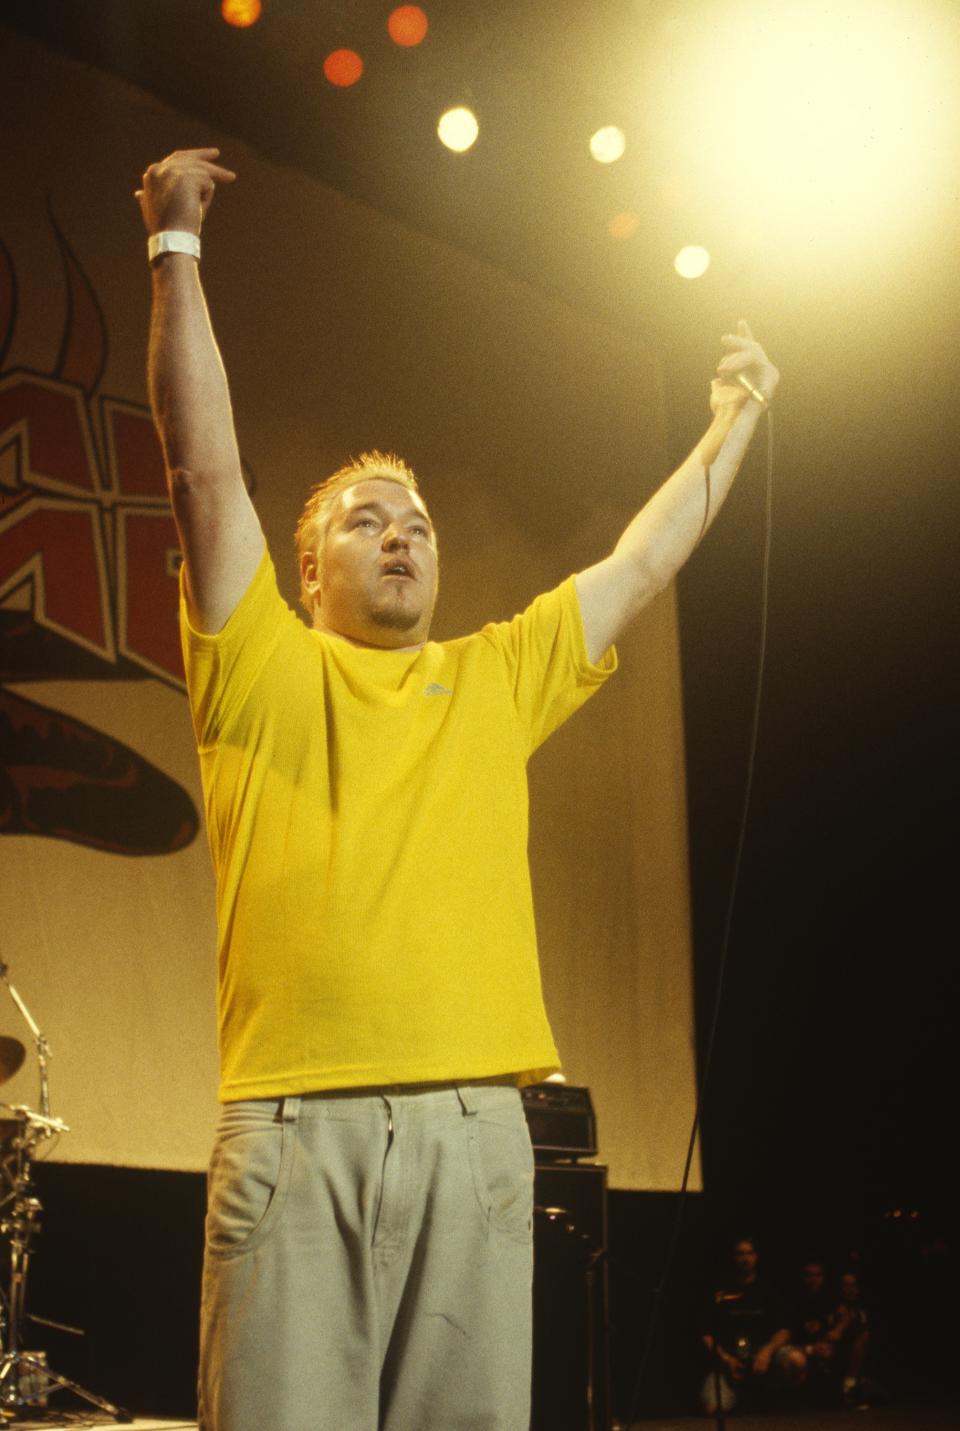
[{"x": 310, "y": 577}]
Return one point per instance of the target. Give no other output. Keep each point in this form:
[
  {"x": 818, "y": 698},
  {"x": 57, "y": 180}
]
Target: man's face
[
  {"x": 745, "y": 1260},
  {"x": 850, "y": 1288},
  {"x": 814, "y": 1278},
  {"x": 374, "y": 578}
]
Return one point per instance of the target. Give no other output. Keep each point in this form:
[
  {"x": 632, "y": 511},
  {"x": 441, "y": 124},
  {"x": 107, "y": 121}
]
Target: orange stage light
[
  {"x": 622, "y": 226},
  {"x": 241, "y": 13},
  {"x": 407, "y": 25},
  {"x": 343, "y": 67}
]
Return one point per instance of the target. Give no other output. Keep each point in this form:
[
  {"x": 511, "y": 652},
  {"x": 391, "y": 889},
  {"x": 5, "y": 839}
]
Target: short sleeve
[
  {"x": 545, "y": 661},
  {"x": 222, "y": 668}
]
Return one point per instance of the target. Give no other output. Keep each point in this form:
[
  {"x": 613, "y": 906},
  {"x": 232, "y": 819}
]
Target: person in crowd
[
  {"x": 819, "y": 1326},
  {"x": 856, "y": 1387},
  {"x": 747, "y": 1337}
]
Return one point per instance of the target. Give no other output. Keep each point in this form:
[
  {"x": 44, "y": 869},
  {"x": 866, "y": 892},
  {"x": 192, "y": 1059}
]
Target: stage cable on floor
[{"x": 703, "y": 1082}]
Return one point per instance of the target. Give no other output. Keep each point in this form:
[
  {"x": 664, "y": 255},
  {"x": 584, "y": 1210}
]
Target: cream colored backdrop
[{"x": 535, "y": 434}]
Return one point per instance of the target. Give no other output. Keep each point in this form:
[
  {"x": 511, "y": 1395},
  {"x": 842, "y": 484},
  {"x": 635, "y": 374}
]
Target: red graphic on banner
[
  {"x": 96, "y": 542},
  {"x": 88, "y": 587}
]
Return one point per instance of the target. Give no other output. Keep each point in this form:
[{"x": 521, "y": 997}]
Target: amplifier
[
  {"x": 571, "y": 1371},
  {"x": 561, "y": 1120}
]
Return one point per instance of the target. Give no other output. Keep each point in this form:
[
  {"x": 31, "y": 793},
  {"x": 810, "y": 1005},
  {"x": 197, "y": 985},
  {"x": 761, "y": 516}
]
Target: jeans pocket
[
  {"x": 248, "y": 1178},
  {"x": 501, "y": 1160}
]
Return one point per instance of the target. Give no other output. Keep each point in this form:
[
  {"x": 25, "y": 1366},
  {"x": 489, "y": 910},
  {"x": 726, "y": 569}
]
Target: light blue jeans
[{"x": 369, "y": 1263}]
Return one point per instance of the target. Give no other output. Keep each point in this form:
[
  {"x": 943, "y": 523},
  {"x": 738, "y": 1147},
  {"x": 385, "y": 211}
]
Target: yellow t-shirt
[{"x": 367, "y": 816}]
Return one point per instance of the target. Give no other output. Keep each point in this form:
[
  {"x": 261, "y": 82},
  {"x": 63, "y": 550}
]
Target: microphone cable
[{"x": 703, "y": 1081}]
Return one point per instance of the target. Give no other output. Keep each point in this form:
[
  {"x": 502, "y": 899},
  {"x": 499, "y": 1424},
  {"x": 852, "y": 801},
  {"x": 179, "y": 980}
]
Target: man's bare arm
[
  {"x": 220, "y": 532},
  {"x": 662, "y": 535}
]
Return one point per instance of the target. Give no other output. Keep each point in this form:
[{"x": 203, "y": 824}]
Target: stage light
[
  {"x": 622, "y": 226},
  {"x": 407, "y": 25},
  {"x": 343, "y": 68},
  {"x": 692, "y": 261},
  {"x": 241, "y": 13},
  {"x": 608, "y": 144},
  {"x": 831, "y": 121},
  {"x": 458, "y": 128}
]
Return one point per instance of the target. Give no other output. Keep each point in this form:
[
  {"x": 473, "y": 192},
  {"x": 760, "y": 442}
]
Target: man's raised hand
[
  {"x": 178, "y": 191},
  {"x": 744, "y": 356}
]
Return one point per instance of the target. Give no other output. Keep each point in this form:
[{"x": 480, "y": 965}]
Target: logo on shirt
[{"x": 435, "y": 689}]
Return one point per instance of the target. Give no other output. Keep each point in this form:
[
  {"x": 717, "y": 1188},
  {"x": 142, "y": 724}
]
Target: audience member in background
[
  {"x": 747, "y": 1336},
  {"x": 856, "y": 1388},
  {"x": 819, "y": 1326}
]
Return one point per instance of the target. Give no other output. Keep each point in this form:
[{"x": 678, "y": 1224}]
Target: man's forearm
[
  {"x": 664, "y": 533},
  {"x": 187, "y": 383},
  {"x": 778, "y": 1340}
]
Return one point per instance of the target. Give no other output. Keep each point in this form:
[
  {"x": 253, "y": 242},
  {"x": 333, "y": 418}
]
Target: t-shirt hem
[{"x": 333, "y": 1081}]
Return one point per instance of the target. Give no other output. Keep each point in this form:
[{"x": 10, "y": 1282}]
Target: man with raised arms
[{"x": 369, "y": 1247}]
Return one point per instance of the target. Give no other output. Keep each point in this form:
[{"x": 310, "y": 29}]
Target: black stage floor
[
  {"x": 877, "y": 1418},
  {"x": 881, "y": 1418}
]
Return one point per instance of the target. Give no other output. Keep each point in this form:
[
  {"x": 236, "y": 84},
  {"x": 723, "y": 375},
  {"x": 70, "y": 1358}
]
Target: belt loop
[
  {"x": 290, "y": 1109},
  {"x": 468, "y": 1100}
]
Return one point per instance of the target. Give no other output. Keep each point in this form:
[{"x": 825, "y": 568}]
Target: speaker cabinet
[{"x": 571, "y": 1381}]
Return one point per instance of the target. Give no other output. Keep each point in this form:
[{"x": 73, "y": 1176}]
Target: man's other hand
[
  {"x": 744, "y": 355},
  {"x": 178, "y": 191}
]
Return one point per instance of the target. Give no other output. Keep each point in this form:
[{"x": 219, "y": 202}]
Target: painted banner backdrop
[{"x": 536, "y": 435}]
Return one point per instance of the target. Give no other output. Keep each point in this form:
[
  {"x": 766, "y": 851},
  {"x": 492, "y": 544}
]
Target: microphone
[{"x": 755, "y": 393}]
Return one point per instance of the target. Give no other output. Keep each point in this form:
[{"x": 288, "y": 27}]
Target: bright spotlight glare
[
  {"x": 608, "y": 144},
  {"x": 829, "y": 119},
  {"x": 241, "y": 13},
  {"x": 692, "y": 261},
  {"x": 458, "y": 129}
]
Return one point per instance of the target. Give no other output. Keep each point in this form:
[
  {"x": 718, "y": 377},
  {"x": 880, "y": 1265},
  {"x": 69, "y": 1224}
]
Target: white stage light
[
  {"x": 608, "y": 144},
  {"x": 692, "y": 261},
  {"x": 458, "y": 128}
]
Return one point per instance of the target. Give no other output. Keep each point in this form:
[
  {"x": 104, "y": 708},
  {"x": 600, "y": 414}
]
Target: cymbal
[{"x": 12, "y": 1054}]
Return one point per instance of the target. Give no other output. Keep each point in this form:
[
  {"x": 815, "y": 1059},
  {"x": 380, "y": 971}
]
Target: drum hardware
[
  {"x": 57, "y": 1326},
  {"x": 25, "y": 1379}
]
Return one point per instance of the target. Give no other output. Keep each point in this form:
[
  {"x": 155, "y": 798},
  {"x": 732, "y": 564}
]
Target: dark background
[{"x": 827, "y": 1118}]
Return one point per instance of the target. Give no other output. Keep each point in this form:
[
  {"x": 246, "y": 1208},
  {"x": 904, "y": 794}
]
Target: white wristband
[{"x": 172, "y": 241}]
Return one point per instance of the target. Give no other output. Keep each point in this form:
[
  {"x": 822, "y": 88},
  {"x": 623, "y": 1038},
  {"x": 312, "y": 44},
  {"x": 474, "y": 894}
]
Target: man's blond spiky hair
[{"x": 312, "y": 525}]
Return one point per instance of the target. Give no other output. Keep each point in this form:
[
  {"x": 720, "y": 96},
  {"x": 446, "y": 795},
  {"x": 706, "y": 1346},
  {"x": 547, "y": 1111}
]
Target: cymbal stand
[
  {"x": 25, "y": 1380},
  {"x": 43, "y": 1048}
]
